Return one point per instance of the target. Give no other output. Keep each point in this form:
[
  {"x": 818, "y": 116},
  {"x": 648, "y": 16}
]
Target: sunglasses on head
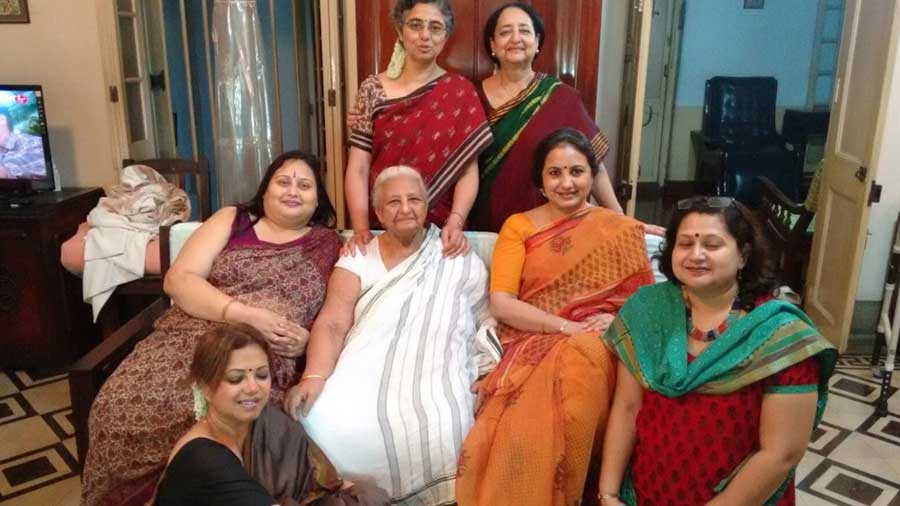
[{"x": 704, "y": 203}]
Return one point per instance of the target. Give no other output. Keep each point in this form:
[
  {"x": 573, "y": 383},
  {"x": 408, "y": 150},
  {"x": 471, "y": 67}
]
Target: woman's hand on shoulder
[
  {"x": 654, "y": 229},
  {"x": 454, "y": 240},
  {"x": 301, "y": 397},
  {"x": 357, "y": 243},
  {"x": 285, "y": 337}
]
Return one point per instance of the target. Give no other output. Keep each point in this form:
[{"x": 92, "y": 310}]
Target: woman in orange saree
[{"x": 560, "y": 273}]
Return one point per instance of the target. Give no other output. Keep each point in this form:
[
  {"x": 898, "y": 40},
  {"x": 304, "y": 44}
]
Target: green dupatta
[
  {"x": 650, "y": 338},
  {"x": 507, "y": 123}
]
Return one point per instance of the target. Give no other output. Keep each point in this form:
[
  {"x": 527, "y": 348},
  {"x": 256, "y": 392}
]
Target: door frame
[
  {"x": 112, "y": 75},
  {"x": 675, "y": 34},
  {"x": 634, "y": 86}
]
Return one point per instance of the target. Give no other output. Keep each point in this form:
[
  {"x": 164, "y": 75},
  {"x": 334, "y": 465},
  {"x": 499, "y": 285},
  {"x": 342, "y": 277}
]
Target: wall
[
  {"x": 723, "y": 38},
  {"x": 60, "y": 50},
  {"x": 883, "y": 217}
]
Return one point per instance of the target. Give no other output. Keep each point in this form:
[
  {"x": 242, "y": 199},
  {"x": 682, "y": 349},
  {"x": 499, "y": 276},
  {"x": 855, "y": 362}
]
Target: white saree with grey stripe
[{"x": 398, "y": 405}]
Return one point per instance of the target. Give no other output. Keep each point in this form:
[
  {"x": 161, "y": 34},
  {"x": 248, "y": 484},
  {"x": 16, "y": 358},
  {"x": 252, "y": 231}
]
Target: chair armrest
[
  {"x": 771, "y": 193},
  {"x": 88, "y": 374}
]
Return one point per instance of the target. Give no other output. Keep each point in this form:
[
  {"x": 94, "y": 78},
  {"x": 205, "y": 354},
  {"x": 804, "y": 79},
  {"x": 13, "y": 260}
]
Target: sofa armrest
[{"x": 87, "y": 375}]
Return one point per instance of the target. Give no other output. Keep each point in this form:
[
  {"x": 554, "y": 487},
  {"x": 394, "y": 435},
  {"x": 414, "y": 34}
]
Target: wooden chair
[
  {"x": 133, "y": 296},
  {"x": 88, "y": 374},
  {"x": 786, "y": 226}
]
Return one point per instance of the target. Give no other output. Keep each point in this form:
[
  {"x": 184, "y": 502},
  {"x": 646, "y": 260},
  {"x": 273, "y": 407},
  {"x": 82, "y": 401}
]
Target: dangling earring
[
  {"x": 398, "y": 57},
  {"x": 543, "y": 194}
]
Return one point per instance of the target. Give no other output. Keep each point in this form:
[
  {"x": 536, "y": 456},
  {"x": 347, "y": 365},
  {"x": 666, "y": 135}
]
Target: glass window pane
[
  {"x": 135, "y": 111},
  {"x": 125, "y": 6},
  {"x": 129, "y": 46}
]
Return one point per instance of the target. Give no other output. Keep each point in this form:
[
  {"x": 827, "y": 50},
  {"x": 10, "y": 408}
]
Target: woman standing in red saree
[
  {"x": 523, "y": 108},
  {"x": 419, "y": 115}
]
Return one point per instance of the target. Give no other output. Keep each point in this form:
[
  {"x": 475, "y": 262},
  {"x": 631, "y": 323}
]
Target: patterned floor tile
[
  {"x": 6, "y": 386},
  {"x": 847, "y": 413},
  {"x": 25, "y": 436},
  {"x": 844, "y": 485},
  {"x": 49, "y": 397},
  {"x": 30, "y": 472},
  {"x": 62, "y": 493}
]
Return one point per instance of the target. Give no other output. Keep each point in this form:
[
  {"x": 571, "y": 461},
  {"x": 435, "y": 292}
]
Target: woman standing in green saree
[
  {"x": 524, "y": 107},
  {"x": 719, "y": 386}
]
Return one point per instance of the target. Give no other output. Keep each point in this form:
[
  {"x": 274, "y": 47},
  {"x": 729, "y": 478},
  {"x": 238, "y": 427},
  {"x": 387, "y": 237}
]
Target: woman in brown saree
[{"x": 263, "y": 264}]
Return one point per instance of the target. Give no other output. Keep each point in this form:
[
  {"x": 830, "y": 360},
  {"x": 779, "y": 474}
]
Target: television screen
[{"x": 24, "y": 143}]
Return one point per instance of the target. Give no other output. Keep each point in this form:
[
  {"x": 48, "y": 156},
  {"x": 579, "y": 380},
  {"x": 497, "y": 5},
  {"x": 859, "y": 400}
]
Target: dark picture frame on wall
[
  {"x": 754, "y": 4},
  {"x": 14, "y": 11}
]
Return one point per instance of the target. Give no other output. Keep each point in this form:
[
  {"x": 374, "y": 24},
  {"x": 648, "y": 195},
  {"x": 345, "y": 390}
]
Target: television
[{"x": 24, "y": 143}]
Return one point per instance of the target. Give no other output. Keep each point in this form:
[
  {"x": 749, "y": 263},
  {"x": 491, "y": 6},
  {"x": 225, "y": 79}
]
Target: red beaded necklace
[{"x": 713, "y": 334}]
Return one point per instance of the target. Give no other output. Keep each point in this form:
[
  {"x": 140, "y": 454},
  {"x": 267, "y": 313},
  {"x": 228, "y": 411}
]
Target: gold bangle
[
  {"x": 312, "y": 376},
  {"x": 225, "y": 308}
]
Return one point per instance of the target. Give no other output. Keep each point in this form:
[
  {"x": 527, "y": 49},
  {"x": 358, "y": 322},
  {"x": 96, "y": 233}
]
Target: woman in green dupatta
[
  {"x": 719, "y": 386},
  {"x": 524, "y": 107}
]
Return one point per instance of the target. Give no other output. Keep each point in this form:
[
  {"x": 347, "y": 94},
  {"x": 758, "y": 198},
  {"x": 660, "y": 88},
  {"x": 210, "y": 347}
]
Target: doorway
[
  {"x": 692, "y": 41},
  {"x": 159, "y": 58}
]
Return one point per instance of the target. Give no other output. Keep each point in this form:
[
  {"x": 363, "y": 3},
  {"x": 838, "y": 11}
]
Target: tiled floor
[{"x": 854, "y": 459}]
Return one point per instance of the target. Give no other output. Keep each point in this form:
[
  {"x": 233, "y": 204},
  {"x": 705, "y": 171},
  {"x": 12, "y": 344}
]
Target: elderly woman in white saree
[{"x": 392, "y": 357}]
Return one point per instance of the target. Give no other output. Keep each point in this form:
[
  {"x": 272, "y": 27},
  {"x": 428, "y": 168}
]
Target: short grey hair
[
  {"x": 393, "y": 173},
  {"x": 401, "y": 6}
]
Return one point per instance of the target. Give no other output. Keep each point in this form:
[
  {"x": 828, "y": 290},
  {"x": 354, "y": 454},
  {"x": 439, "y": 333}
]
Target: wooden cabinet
[{"x": 43, "y": 320}]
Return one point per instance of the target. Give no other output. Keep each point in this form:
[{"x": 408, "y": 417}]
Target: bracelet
[
  {"x": 562, "y": 327},
  {"x": 312, "y": 376},
  {"x": 603, "y": 497},
  {"x": 462, "y": 221},
  {"x": 225, "y": 308}
]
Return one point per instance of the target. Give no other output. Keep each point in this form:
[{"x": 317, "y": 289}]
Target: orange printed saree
[{"x": 548, "y": 399}]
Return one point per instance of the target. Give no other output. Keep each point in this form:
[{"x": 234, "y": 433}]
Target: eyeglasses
[
  {"x": 418, "y": 25},
  {"x": 704, "y": 202}
]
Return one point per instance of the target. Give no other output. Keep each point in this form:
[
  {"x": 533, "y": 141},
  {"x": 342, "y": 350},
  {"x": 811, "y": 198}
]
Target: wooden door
[
  {"x": 634, "y": 87},
  {"x": 868, "y": 53},
  {"x": 571, "y": 48}
]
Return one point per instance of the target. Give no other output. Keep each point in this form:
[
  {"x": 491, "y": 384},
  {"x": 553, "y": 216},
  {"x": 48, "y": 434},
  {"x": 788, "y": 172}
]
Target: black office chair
[{"x": 738, "y": 141}]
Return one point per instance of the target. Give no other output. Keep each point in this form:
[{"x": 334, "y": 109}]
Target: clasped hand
[{"x": 285, "y": 337}]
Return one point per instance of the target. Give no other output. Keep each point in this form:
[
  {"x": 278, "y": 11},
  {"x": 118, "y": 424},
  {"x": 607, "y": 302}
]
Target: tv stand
[{"x": 44, "y": 320}]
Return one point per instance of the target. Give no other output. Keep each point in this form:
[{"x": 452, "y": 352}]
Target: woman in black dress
[{"x": 242, "y": 451}]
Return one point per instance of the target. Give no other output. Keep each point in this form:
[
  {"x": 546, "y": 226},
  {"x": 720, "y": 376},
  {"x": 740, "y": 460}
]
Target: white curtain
[{"x": 244, "y": 115}]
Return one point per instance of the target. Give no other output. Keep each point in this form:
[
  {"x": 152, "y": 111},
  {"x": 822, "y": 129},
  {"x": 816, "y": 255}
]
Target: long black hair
[
  {"x": 324, "y": 214},
  {"x": 756, "y": 279}
]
